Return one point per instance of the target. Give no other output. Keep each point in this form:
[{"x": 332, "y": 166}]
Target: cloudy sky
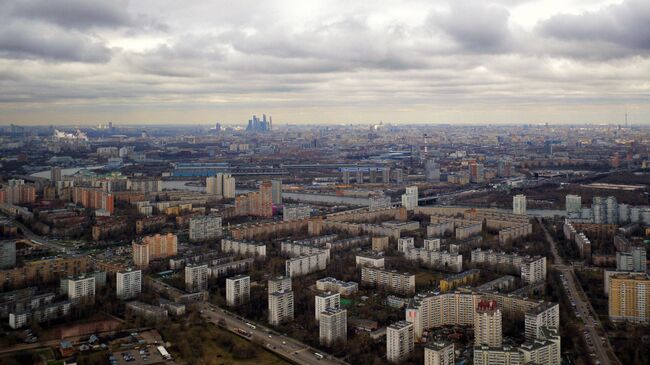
[{"x": 352, "y": 61}]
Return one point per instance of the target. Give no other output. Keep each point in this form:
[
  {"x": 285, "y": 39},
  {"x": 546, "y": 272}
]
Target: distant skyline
[{"x": 89, "y": 62}]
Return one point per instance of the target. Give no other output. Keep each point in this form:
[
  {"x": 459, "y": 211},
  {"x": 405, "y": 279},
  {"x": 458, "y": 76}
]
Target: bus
[
  {"x": 163, "y": 353},
  {"x": 318, "y": 356}
]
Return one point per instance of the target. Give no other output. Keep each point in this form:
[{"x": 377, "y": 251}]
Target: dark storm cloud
[
  {"x": 475, "y": 25},
  {"x": 19, "y": 41},
  {"x": 613, "y": 31},
  {"x": 76, "y": 14}
]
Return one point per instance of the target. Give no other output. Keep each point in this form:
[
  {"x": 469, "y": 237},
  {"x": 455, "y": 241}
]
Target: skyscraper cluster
[{"x": 260, "y": 125}]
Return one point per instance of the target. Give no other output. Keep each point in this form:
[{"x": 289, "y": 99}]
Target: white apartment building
[
  {"x": 546, "y": 315},
  {"x": 333, "y": 325},
  {"x": 410, "y": 198},
  {"x": 390, "y": 280},
  {"x": 280, "y": 306},
  {"x": 298, "y": 248},
  {"x": 544, "y": 350},
  {"x": 519, "y": 204},
  {"x": 220, "y": 184},
  {"x": 487, "y": 324},
  {"x": 326, "y": 300},
  {"x": 243, "y": 248},
  {"x": 370, "y": 259},
  {"x": 128, "y": 284},
  {"x": 504, "y": 355},
  {"x": 342, "y": 287},
  {"x": 238, "y": 290},
  {"x": 204, "y": 228},
  {"x": 433, "y": 310},
  {"x": 633, "y": 260},
  {"x": 196, "y": 278},
  {"x": 293, "y": 212},
  {"x": 533, "y": 270},
  {"x": 307, "y": 264},
  {"x": 405, "y": 243},
  {"x": 279, "y": 283},
  {"x": 573, "y": 205},
  {"x": 400, "y": 341},
  {"x": 79, "y": 289},
  {"x": 439, "y": 353}
]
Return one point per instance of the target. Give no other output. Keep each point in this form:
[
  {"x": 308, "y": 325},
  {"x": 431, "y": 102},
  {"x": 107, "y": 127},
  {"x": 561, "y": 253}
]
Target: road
[
  {"x": 40, "y": 240},
  {"x": 592, "y": 328},
  {"x": 289, "y": 348}
]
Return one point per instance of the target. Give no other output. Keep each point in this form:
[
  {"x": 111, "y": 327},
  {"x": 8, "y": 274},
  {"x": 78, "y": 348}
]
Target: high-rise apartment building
[
  {"x": 266, "y": 200},
  {"x": 276, "y": 187},
  {"x": 629, "y": 298},
  {"x": 487, "y": 324},
  {"x": 238, "y": 290},
  {"x": 79, "y": 289},
  {"x": 324, "y": 301},
  {"x": 410, "y": 198},
  {"x": 573, "y": 204},
  {"x": 206, "y": 227},
  {"x": 333, "y": 325},
  {"x": 476, "y": 173},
  {"x": 400, "y": 341},
  {"x": 519, "y": 204},
  {"x": 220, "y": 184},
  {"x": 55, "y": 174},
  {"x": 280, "y": 306},
  {"x": 633, "y": 260},
  {"x": 7, "y": 254},
  {"x": 432, "y": 170},
  {"x": 17, "y": 192},
  {"x": 439, "y": 353},
  {"x": 546, "y": 315},
  {"x": 279, "y": 283},
  {"x": 154, "y": 247},
  {"x": 93, "y": 198},
  {"x": 196, "y": 278},
  {"x": 292, "y": 212},
  {"x": 128, "y": 284}
]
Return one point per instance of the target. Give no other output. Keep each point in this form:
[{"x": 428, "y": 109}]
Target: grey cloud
[
  {"x": 23, "y": 42},
  {"x": 475, "y": 25},
  {"x": 76, "y": 14},
  {"x": 613, "y": 31}
]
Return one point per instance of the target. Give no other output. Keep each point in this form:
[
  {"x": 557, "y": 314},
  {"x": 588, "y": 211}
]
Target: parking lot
[{"x": 145, "y": 355}]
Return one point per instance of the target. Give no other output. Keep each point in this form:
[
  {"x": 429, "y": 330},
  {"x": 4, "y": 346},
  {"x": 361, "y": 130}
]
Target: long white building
[
  {"x": 204, "y": 228},
  {"x": 257, "y": 249}
]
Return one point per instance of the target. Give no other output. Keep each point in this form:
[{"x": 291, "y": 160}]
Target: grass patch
[{"x": 205, "y": 343}]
